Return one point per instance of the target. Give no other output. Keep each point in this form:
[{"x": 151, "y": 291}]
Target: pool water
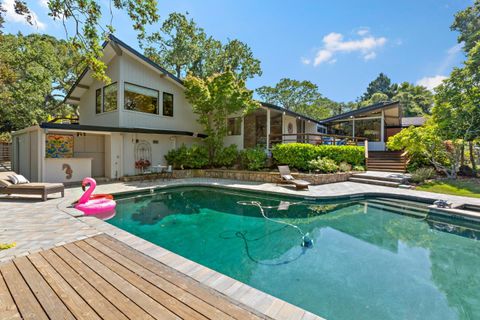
[{"x": 371, "y": 259}]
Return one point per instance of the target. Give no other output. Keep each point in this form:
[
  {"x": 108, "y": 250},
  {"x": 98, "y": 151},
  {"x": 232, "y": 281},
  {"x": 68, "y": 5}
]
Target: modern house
[{"x": 143, "y": 113}]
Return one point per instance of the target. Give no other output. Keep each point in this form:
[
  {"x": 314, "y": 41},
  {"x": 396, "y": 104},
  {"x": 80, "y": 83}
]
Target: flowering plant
[{"x": 142, "y": 164}]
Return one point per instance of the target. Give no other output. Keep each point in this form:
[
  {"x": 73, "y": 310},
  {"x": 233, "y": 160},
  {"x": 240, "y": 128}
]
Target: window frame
[
  {"x": 100, "y": 110},
  {"x": 163, "y": 104},
  {"x": 103, "y": 95},
  {"x": 137, "y": 85},
  {"x": 240, "y": 127}
]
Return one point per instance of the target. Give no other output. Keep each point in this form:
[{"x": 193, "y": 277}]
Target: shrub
[
  {"x": 324, "y": 165},
  {"x": 226, "y": 157},
  {"x": 195, "y": 157},
  {"x": 344, "y": 167},
  {"x": 299, "y": 155},
  {"x": 422, "y": 174},
  {"x": 358, "y": 168},
  {"x": 253, "y": 159}
]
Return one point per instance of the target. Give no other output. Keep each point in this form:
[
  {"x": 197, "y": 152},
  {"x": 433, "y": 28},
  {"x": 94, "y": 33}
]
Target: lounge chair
[
  {"x": 287, "y": 178},
  {"x": 35, "y": 188}
]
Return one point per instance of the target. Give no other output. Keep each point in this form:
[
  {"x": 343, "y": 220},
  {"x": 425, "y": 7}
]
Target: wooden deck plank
[
  {"x": 98, "y": 302},
  {"x": 26, "y": 302},
  {"x": 79, "y": 308},
  {"x": 153, "y": 282},
  {"x": 50, "y": 302},
  {"x": 208, "y": 295},
  {"x": 8, "y": 309},
  {"x": 118, "y": 298},
  {"x": 124, "y": 285}
]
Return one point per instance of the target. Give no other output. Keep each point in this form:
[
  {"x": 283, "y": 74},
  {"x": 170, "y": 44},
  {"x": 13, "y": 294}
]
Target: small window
[
  {"x": 110, "y": 97},
  {"x": 168, "y": 104},
  {"x": 234, "y": 126},
  {"x": 98, "y": 100},
  {"x": 140, "y": 99}
]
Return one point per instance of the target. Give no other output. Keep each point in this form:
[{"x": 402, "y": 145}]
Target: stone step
[
  {"x": 399, "y": 204},
  {"x": 375, "y": 182},
  {"x": 372, "y": 176},
  {"x": 406, "y": 212}
]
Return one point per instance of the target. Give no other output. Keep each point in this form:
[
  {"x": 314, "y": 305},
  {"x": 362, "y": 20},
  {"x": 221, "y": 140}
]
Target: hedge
[{"x": 298, "y": 155}]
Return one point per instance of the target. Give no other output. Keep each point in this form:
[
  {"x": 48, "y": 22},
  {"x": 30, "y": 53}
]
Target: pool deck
[{"x": 38, "y": 226}]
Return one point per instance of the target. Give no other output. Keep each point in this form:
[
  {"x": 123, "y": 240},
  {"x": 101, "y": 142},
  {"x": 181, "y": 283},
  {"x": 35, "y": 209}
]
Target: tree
[
  {"x": 83, "y": 25},
  {"x": 377, "y": 97},
  {"x": 414, "y": 100},
  {"x": 381, "y": 84},
  {"x": 467, "y": 23},
  {"x": 36, "y": 72},
  {"x": 182, "y": 47},
  {"x": 214, "y": 99},
  {"x": 177, "y": 46},
  {"x": 298, "y": 96}
]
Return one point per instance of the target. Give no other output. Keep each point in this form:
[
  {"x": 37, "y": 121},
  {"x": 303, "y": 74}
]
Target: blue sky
[{"x": 339, "y": 45}]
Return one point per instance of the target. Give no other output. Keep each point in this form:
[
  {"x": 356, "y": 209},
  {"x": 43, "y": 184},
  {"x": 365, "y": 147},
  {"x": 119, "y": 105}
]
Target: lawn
[{"x": 462, "y": 187}]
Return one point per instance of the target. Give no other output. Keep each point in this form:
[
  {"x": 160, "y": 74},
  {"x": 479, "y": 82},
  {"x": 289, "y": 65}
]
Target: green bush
[
  {"x": 253, "y": 159},
  {"x": 358, "y": 168},
  {"x": 422, "y": 174},
  {"x": 299, "y": 155},
  {"x": 195, "y": 157},
  {"x": 324, "y": 165},
  {"x": 344, "y": 166},
  {"x": 226, "y": 157}
]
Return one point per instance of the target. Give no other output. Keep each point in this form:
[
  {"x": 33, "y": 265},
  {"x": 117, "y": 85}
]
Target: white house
[{"x": 142, "y": 114}]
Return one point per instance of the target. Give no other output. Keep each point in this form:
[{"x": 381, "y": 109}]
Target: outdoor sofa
[
  {"x": 287, "y": 178},
  {"x": 32, "y": 188}
]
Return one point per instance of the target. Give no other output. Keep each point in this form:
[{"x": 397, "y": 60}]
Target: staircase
[
  {"x": 381, "y": 178},
  {"x": 389, "y": 161}
]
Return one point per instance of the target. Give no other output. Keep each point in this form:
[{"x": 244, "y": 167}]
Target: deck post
[{"x": 366, "y": 149}]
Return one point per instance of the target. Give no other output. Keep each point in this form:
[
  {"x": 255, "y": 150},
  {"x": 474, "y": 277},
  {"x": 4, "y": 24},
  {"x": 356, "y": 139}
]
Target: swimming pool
[{"x": 372, "y": 258}]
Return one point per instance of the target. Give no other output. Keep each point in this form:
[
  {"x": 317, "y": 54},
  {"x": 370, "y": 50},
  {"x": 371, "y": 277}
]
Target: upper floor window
[
  {"x": 98, "y": 100},
  {"x": 140, "y": 99},
  {"x": 110, "y": 97},
  {"x": 234, "y": 126},
  {"x": 168, "y": 104}
]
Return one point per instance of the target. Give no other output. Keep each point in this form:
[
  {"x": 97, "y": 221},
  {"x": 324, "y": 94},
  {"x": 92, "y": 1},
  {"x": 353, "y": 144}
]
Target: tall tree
[
  {"x": 84, "y": 27},
  {"x": 381, "y": 84},
  {"x": 415, "y": 100},
  {"x": 36, "y": 72},
  {"x": 299, "y": 96},
  {"x": 214, "y": 99}
]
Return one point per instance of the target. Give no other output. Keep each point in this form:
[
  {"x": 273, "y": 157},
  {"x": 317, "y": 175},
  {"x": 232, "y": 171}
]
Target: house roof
[
  {"x": 413, "y": 121},
  {"x": 79, "y": 127},
  {"x": 357, "y": 112},
  {"x": 289, "y": 112}
]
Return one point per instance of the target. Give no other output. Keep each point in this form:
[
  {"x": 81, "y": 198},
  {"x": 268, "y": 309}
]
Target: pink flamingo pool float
[{"x": 92, "y": 205}]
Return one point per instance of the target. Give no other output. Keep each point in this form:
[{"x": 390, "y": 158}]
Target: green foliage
[
  {"x": 414, "y": 100},
  {"x": 213, "y": 99},
  {"x": 344, "y": 166},
  {"x": 253, "y": 159},
  {"x": 195, "y": 157},
  {"x": 184, "y": 48},
  {"x": 83, "y": 23},
  {"x": 381, "y": 84},
  {"x": 358, "y": 168},
  {"x": 422, "y": 174},
  {"x": 299, "y": 155},
  {"x": 299, "y": 96},
  {"x": 36, "y": 73},
  {"x": 324, "y": 165},
  {"x": 466, "y": 188},
  {"x": 226, "y": 157}
]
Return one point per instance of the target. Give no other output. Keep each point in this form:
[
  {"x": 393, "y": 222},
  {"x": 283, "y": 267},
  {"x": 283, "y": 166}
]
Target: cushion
[
  {"x": 288, "y": 177},
  {"x": 18, "y": 179},
  {"x": 4, "y": 183}
]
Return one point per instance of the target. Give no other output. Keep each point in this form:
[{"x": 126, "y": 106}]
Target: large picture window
[
  {"x": 140, "y": 99},
  {"x": 98, "y": 100},
  {"x": 110, "y": 97},
  {"x": 234, "y": 126},
  {"x": 168, "y": 104}
]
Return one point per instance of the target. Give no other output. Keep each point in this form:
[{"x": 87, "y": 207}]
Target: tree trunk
[
  {"x": 462, "y": 155},
  {"x": 472, "y": 157}
]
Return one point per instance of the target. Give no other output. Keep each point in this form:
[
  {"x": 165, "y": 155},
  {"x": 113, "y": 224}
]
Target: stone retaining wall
[{"x": 259, "y": 176}]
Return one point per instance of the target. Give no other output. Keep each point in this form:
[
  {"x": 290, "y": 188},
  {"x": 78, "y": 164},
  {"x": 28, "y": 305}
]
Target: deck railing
[{"x": 318, "y": 139}]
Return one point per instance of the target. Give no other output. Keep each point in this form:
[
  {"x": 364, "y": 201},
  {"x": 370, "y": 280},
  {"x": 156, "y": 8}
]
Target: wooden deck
[{"x": 102, "y": 278}]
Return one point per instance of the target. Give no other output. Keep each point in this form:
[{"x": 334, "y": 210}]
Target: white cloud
[
  {"x": 43, "y": 3},
  {"x": 305, "y": 60},
  {"x": 11, "y": 16},
  {"x": 448, "y": 61},
  {"x": 334, "y": 42},
  {"x": 363, "y": 31},
  {"x": 431, "y": 82}
]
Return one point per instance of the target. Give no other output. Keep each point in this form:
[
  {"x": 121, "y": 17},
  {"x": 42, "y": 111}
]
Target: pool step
[
  {"x": 412, "y": 212},
  {"x": 399, "y": 204}
]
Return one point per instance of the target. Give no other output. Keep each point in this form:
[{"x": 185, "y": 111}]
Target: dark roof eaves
[{"x": 358, "y": 111}]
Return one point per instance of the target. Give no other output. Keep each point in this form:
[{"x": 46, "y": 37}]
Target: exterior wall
[
  {"x": 183, "y": 118},
  {"x": 87, "y": 100},
  {"x": 236, "y": 140},
  {"x": 310, "y": 127},
  {"x": 289, "y": 119},
  {"x": 91, "y": 146},
  {"x": 25, "y": 154}
]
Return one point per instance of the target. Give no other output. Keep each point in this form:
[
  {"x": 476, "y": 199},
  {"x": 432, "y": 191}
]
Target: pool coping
[{"x": 257, "y": 301}]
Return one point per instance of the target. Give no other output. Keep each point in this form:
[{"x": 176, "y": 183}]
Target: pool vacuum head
[{"x": 307, "y": 242}]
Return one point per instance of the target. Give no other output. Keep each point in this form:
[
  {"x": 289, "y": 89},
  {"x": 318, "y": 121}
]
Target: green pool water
[{"x": 371, "y": 259}]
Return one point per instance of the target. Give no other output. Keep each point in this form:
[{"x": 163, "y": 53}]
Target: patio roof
[
  {"x": 365, "y": 111},
  {"x": 289, "y": 112}
]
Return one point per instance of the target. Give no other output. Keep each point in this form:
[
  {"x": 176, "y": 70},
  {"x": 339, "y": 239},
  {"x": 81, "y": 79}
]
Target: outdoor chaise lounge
[
  {"x": 287, "y": 178},
  {"x": 35, "y": 188}
]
